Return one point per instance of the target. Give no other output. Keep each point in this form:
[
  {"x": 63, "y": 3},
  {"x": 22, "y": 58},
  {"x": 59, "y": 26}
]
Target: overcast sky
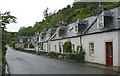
[{"x": 30, "y": 11}]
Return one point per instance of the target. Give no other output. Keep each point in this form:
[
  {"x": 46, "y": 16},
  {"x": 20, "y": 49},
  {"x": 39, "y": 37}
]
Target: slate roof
[
  {"x": 70, "y": 28},
  {"x": 25, "y": 40},
  {"x": 112, "y": 22},
  {"x": 47, "y": 34}
]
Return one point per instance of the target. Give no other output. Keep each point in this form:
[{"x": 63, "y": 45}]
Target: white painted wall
[
  {"x": 119, "y": 48},
  {"x": 75, "y": 41},
  {"x": 45, "y": 46},
  {"x": 99, "y": 46},
  {"x": 36, "y": 48}
]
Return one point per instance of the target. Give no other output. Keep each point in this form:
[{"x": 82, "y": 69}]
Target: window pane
[
  {"x": 92, "y": 45},
  {"x": 100, "y": 19},
  {"x": 91, "y": 49}
]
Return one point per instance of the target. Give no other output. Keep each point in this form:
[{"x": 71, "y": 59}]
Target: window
[
  {"x": 100, "y": 22},
  {"x": 73, "y": 47},
  {"x": 21, "y": 40},
  {"x": 55, "y": 48},
  {"x": 92, "y": 52},
  {"x": 76, "y": 28},
  {"x": 28, "y": 40}
]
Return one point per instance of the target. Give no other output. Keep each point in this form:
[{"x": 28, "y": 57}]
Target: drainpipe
[
  {"x": 80, "y": 40},
  {"x": 28, "y": 45},
  {"x": 49, "y": 45}
]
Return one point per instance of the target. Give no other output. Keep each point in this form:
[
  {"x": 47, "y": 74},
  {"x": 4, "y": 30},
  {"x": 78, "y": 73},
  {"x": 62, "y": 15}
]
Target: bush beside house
[
  {"x": 67, "y": 47},
  {"x": 80, "y": 56}
]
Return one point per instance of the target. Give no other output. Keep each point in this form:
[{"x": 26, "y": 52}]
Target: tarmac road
[{"x": 24, "y": 63}]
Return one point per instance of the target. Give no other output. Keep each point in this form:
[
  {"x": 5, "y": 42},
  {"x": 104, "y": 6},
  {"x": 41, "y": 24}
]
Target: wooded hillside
[{"x": 70, "y": 14}]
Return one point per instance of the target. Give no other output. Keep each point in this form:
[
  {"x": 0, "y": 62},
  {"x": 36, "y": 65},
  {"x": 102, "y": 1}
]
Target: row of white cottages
[{"x": 99, "y": 35}]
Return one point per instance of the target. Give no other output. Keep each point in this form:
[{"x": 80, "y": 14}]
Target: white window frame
[
  {"x": 21, "y": 40},
  {"x": 76, "y": 28},
  {"x": 91, "y": 49},
  {"x": 28, "y": 40},
  {"x": 73, "y": 47},
  {"x": 57, "y": 33},
  {"x": 100, "y": 22}
]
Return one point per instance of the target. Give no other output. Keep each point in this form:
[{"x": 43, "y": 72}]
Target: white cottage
[
  {"x": 101, "y": 40},
  {"x": 44, "y": 39},
  {"x": 99, "y": 35}
]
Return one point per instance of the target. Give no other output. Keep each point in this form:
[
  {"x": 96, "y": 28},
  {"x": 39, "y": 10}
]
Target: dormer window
[
  {"x": 28, "y": 40},
  {"x": 76, "y": 28},
  {"x": 100, "y": 22},
  {"x": 42, "y": 37},
  {"x": 57, "y": 33},
  {"x": 21, "y": 40}
]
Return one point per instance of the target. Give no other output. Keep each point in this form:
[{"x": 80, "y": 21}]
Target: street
[{"x": 24, "y": 63}]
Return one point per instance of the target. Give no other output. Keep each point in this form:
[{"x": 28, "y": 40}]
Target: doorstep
[{"x": 112, "y": 68}]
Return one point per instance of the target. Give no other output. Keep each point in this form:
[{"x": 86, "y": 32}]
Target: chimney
[
  {"x": 62, "y": 23},
  {"x": 45, "y": 30},
  {"x": 101, "y": 8}
]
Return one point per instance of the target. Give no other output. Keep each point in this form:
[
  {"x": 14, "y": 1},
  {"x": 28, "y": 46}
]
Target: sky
[{"x": 29, "y": 11}]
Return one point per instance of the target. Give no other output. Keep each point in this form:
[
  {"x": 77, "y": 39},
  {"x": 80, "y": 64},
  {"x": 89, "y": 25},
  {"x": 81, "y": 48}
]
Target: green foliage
[
  {"x": 78, "y": 57},
  {"x": 78, "y": 48},
  {"x": 26, "y": 31},
  {"x": 78, "y": 10},
  {"x": 19, "y": 47},
  {"x": 12, "y": 43},
  {"x": 67, "y": 47},
  {"x": 7, "y": 18},
  {"x": 51, "y": 54},
  {"x": 41, "y": 48},
  {"x": 112, "y": 5}
]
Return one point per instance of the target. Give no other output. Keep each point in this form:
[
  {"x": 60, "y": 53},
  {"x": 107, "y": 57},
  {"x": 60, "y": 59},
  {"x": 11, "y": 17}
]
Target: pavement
[
  {"x": 24, "y": 63},
  {"x": 111, "y": 68}
]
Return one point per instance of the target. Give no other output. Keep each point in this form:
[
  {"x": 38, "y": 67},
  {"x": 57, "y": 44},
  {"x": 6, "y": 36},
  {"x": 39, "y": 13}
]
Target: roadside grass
[
  {"x": 0, "y": 61},
  {"x": 0, "y": 57}
]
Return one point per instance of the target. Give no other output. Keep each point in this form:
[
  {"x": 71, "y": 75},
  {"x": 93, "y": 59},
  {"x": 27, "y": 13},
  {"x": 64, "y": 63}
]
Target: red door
[{"x": 109, "y": 53}]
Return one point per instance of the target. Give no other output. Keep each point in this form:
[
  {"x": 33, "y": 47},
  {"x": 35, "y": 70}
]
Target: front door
[{"x": 109, "y": 53}]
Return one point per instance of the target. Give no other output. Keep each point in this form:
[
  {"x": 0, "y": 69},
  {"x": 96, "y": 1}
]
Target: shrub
[
  {"x": 67, "y": 47},
  {"x": 60, "y": 57},
  {"x": 51, "y": 54},
  {"x": 19, "y": 47},
  {"x": 3, "y": 58},
  {"x": 79, "y": 56},
  {"x": 12, "y": 43}
]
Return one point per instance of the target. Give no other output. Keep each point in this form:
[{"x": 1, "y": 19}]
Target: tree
[
  {"x": 45, "y": 13},
  {"x": 7, "y": 18},
  {"x": 67, "y": 46}
]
